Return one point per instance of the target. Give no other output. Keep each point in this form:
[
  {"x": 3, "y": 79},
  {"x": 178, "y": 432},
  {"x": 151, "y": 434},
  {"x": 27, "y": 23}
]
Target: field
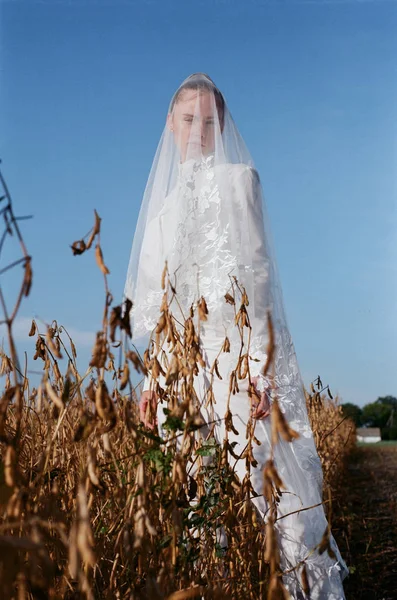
[
  {"x": 94, "y": 505},
  {"x": 366, "y": 521}
]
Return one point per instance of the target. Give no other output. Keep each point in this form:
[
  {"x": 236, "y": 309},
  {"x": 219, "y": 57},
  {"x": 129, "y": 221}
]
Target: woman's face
[{"x": 193, "y": 123}]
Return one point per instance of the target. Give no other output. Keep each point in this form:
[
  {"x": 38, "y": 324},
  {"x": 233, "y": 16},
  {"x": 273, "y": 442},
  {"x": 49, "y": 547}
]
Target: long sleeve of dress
[
  {"x": 254, "y": 253},
  {"x": 148, "y": 290}
]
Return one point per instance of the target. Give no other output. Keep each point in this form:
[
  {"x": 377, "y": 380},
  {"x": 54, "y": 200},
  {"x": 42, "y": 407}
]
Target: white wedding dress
[{"x": 209, "y": 225}]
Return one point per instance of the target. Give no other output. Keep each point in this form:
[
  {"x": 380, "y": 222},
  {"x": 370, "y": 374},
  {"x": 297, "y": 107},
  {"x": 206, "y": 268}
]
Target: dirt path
[{"x": 366, "y": 523}]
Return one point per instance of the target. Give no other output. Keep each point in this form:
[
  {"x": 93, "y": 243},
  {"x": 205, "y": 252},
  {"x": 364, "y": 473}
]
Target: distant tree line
[{"x": 382, "y": 414}]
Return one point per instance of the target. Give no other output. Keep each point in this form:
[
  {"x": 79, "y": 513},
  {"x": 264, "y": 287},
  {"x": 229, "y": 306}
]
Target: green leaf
[
  {"x": 208, "y": 448},
  {"x": 172, "y": 423}
]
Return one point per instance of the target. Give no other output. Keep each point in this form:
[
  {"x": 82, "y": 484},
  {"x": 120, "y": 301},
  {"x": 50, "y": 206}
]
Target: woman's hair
[{"x": 200, "y": 81}]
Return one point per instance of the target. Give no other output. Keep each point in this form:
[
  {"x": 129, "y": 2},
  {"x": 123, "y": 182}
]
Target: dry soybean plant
[
  {"x": 95, "y": 505},
  {"x": 334, "y": 434}
]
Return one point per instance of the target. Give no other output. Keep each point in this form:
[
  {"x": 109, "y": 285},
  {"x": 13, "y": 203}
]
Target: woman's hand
[
  {"x": 148, "y": 408},
  {"x": 262, "y": 409}
]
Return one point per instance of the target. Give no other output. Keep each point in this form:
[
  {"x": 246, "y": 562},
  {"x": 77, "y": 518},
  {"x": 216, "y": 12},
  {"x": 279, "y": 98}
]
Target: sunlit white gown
[{"x": 191, "y": 232}]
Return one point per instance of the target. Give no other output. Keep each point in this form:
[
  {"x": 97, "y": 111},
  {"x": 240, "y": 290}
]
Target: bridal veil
[{"x": 203, "y": 211}]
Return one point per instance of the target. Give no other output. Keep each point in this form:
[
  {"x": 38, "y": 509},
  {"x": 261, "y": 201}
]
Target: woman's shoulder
[{"x": 238, "y": 171}]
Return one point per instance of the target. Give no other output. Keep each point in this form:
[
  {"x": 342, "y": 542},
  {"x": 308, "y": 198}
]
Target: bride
[{"x": 203, "y": 212}]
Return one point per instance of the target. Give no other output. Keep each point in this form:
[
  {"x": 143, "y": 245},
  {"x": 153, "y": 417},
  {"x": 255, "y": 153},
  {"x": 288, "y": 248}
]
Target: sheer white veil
[{"x": 203, "y": 211}]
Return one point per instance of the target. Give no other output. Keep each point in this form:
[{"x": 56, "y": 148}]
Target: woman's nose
[{"x": 199, "y": 129}]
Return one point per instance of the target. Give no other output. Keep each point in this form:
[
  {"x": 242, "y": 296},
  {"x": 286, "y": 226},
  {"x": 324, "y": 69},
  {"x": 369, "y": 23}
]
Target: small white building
[{"x": 369, "y": 435}]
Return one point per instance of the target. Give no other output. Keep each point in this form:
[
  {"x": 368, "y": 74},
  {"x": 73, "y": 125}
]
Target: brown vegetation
[{"x": 94, "y": 505}]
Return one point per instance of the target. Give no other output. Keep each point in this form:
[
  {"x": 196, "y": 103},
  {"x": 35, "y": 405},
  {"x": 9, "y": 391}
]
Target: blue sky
[{"x": 312, "y": 86}]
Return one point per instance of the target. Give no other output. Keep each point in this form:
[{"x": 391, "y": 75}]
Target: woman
[{"x": 203, "y": 212}]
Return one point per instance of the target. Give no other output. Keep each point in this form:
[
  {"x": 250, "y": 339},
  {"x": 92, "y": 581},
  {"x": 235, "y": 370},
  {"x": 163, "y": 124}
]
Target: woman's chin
[{"x": 196, "y": 151}]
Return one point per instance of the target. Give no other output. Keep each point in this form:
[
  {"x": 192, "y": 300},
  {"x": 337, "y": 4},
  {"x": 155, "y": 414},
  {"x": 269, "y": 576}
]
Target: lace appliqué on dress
[{"x": 201, "y": 257}]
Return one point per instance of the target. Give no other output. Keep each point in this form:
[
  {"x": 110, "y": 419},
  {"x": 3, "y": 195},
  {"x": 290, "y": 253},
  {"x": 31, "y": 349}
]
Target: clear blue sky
[{"x": 85, "y": 87}]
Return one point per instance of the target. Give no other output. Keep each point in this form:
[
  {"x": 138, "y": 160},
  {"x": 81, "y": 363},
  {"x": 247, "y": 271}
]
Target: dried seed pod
[
  {"x": 242, "y": 318},
  {"x": 244, "y": 367},
  {"x": 91, "y": 390},
  {"x": 276, "y": 590},
  {"x": 10, "y": 467},
  {"x": 202, "y": 309},
  {"x": 137, "y": 362},
  {"x": 92, "y": 468},
  {"x": 216, "y": 369},
  {"x": 271, "y": 548},
  {"x": 114, "y": 321},
  {"x": 305, "y": 581},
  {"x": 78, "y": 247},
  {"x": 238, "y": 368},
  {"x": 156, "y": 368},
  {"x": 324, "y": 542},
  {"x": 85, "y": 428},
  {"x": 280, "y": 425},
  {"x": 41, "y": 351},
  {"x": 33, "y": 329},
  {"x": 233, "y": 385},
  {"x": 27, "y": 278},
  {"x": 164, "y": 275},
  {"x": 179, "y": 470},
  {"x": 52, "y": 344},
  {"x": 271, "y": 473},
  {"x": 106, "y": 443},
  {"x": 53, "y": 396},
  {"x": 103, "y": 402},
  {"x": 226, "y": 345},
  {"x": 210, "y": 397},
  {"x": 162, "y": 322},
  {"x": 85, "y": 540},
  {"x": 57, "y": 373},
  {"x": 99, "y": 260},
  {"x": 100, "y": 351},
  {"x": 126, "y": 376},
  {"x": 14, "y": 506},
  {"x": 96, "y": 229},
  {"x": 6, "y": 365},
  {"x": 173, "y": 371},
  {"x": 229, "y": 299},
  {"x": 73, "y": 565},
  {"x": 164, "y": 303},
  {"x": 271, "y": 346},
  {"x": 229, "y": 423},
  {"x": 195, "y": 591},
  {"x": 140, "y": 475},
  {"x": 244, "y": 298}
]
